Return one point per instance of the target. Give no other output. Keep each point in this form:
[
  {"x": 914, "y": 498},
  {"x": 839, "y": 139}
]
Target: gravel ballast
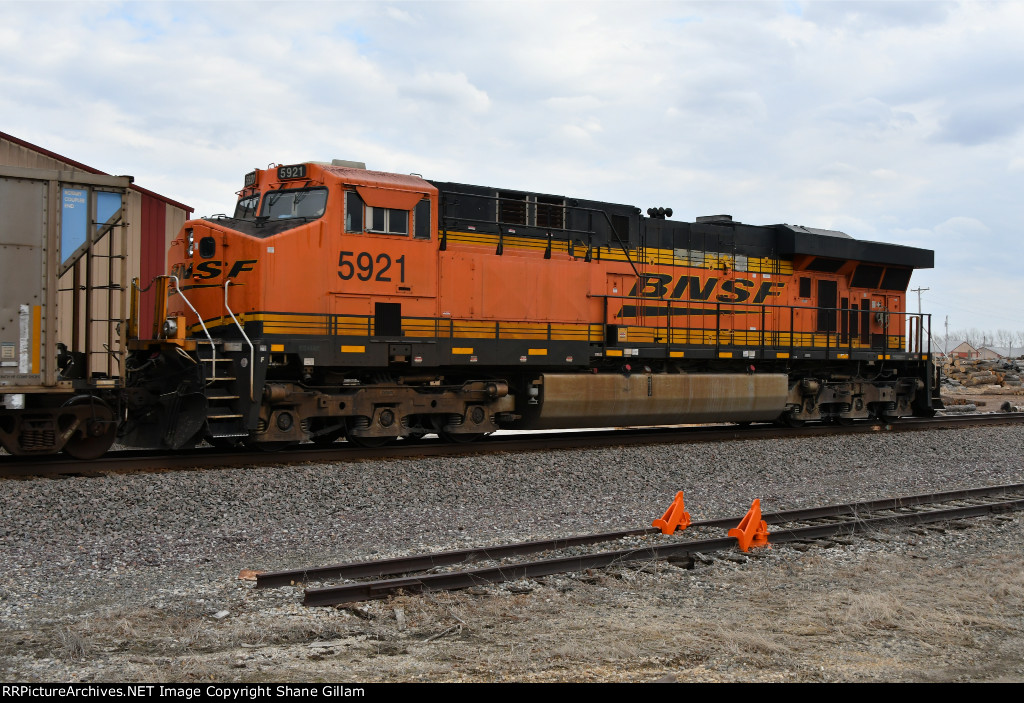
[{"x": 87, "y": 549}]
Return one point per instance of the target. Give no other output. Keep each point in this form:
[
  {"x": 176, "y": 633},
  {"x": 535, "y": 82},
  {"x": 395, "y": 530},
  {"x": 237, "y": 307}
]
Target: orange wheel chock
[
  {"x": 674, "y": 518},
  {"x": 752, "y": 530}
]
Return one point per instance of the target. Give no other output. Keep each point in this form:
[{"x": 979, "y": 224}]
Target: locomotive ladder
[{"x": 223, "y": 420}]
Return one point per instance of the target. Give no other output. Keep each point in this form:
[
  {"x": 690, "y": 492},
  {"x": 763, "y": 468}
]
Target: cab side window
[
  {"x": 353, "y": 212},
  {"x": 360, "y": 217},
  {"x": 421, "y": 220},
  {"x": 387, "y": 220}
]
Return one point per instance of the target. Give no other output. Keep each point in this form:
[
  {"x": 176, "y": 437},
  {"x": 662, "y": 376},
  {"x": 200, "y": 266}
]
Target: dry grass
[{"x": 72, "y": 644}]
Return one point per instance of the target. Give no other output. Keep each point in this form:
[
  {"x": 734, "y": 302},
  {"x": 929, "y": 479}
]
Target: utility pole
[
  {"x": 920, "y": 317},
  {"x": 918, "y": 291}
]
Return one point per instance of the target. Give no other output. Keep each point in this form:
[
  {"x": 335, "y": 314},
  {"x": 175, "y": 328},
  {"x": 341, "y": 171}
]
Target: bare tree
[
  {"x": 970, "y": 336},
  {"x": 1006, "y": 339}
]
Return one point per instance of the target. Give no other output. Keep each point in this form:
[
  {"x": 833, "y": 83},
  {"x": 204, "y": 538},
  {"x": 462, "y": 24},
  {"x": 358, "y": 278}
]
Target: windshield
[
  {"x": 246, "y": 207},
  {"x": 285, "y": 204}
]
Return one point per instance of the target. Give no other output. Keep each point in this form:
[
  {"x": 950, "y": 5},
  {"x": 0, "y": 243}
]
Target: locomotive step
[
  {"x": 222, "y": 397},
  {"x": 225, "y": 417}
]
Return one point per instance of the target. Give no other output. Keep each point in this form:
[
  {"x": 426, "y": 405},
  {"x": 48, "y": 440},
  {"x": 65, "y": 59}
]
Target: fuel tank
[{"x": 597, "y": 400}]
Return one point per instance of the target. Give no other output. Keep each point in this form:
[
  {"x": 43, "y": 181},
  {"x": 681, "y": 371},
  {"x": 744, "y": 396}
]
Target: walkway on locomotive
[{"x": 364, "y": 268}]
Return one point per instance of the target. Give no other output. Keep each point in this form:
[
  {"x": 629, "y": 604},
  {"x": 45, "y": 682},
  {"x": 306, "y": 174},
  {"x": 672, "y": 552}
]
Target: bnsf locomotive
[{"x": 342, "y": 302}]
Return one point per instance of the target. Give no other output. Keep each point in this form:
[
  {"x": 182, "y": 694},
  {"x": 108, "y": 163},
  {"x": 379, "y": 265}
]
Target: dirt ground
[{"x": 926, "y": 604}]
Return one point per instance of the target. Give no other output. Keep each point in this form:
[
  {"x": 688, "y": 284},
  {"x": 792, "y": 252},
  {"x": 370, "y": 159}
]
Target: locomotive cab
[{"x": 278, "y": 319}]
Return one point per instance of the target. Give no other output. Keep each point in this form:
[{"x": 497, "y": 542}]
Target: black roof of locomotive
[
  {"x": 477, "y": 205},
  {"x": 805, "y": 240}
]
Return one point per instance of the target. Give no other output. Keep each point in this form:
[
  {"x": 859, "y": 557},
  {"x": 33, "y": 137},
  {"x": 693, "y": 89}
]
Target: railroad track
[
  {"x": 389, "y": 576},
  {"x": 210, "y": 458}
]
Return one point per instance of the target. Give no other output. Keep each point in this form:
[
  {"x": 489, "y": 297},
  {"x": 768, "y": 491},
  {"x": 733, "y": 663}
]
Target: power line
[{"x": 941, "y": 302}]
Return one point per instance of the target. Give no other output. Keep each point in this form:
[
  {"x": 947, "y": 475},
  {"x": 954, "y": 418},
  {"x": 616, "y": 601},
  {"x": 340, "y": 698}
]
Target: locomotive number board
[{"x": 286, "y": 172}]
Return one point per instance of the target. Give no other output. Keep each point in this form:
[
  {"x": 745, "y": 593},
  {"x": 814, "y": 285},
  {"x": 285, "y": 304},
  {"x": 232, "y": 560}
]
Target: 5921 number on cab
[{"x": 364, "y": 266}]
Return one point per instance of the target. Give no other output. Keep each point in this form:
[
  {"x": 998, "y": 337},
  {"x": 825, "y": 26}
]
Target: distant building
[
  {"x": 998, "y": 352},
  {"x": 963, "y": 351}
]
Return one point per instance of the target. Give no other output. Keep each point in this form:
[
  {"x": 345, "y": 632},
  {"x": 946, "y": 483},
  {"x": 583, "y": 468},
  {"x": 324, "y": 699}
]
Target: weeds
[{"x": 72, "y": 644}]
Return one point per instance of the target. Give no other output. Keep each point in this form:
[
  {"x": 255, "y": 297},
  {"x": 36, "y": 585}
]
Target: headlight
[
  {"x": 170, "y": 328},
  {"x": 191, "y": 242}
]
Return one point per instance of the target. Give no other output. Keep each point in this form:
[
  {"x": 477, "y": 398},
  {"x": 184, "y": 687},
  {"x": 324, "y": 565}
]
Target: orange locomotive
[{"x": 338, "y": 301}]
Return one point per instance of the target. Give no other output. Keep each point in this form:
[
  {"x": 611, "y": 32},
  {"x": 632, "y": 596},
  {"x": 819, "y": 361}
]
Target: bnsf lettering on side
[{"x": 733, "y": 290}]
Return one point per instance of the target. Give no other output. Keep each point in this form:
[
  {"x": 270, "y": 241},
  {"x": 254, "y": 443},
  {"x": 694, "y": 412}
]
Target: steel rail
[
  {"x": 210, "y": 458},
  {"x": 423, "y": 562},
  {"x": 681, "y": 550}
]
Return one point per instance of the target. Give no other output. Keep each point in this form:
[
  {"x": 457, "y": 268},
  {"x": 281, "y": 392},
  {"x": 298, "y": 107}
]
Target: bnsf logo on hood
[
  {"x": 212, "y": 269},
  {"x": 661, "y": 286},
  {"x": 735, "y": 290}
]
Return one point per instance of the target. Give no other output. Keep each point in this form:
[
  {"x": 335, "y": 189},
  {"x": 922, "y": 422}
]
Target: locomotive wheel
[
  {"x": 326, "y": 440},
  {"x": 883, "y": 416},
  {"x": 95, "y": 435},
  {"x": 271, "y": 447},
  {"x": 460, "y": 437},
  {"x": 369, "y": 442},
  {"x": 329, "y": 438},
  {"x": 224, "y": 442}
]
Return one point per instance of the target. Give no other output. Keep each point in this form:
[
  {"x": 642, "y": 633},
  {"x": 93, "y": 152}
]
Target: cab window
[
  {"x": 353, "y": 212},
  {"x": 360, "y": 217},
  {"x": 387, "y": 220},
  {"x": 247, "y": 207},
  {"x": 421, "y": 220},
  {"x": 307, "y": 203}
]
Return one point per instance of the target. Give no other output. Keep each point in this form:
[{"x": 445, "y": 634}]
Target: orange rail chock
[
  {"x": 752, "y": 530},
  {"x": 674, "y": 518}
]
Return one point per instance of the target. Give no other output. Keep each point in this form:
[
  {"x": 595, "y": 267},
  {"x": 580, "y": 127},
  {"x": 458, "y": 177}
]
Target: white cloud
[
  {"x": 963, "y": 231},
  {"x": 400, "y": 15},
  {"x": 449, "y": 91}
]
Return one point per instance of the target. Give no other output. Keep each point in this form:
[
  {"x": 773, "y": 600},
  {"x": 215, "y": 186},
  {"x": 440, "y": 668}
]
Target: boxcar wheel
[{"x": 96, "y": 434}]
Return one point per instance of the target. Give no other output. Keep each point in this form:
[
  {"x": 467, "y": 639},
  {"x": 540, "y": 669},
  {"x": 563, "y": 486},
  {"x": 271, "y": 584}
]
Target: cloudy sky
[{"x": 895, "y": 121}]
